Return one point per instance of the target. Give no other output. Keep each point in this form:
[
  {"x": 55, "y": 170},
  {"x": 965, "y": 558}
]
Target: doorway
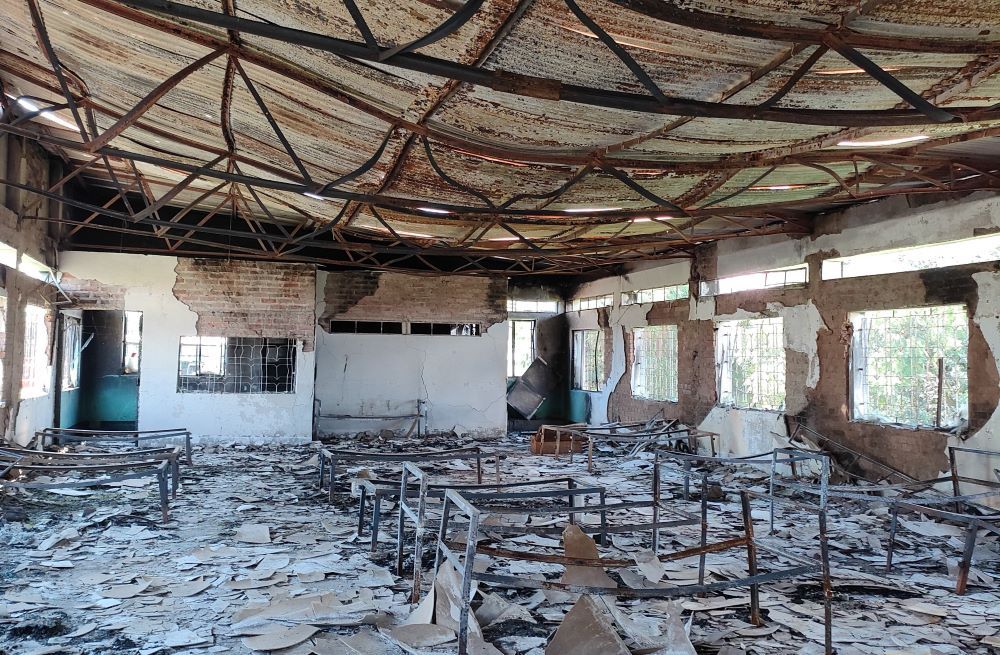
[{"x": 105, "y": 371}]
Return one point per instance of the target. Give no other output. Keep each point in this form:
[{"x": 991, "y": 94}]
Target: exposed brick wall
[
  {"x": 921, "y": 453},
  {"x": 399, "y": 297},
  {"x": 249, "y": 299},
  {"x": 91, "y": 294},
  {"x": 696, "y": 393}
]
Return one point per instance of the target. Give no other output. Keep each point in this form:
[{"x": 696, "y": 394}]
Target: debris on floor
[{"x": 255, "y": 558}]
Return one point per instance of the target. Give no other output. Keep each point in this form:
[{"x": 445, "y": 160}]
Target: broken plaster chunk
[
  {"x": 192, "y": 588},
  {"x": 650, "y": 566},
  {"x": 580, "y": 545},
  {"x": 586, "y": 630},
  {"x": 364, "y": 642},
  {"x": 124, "y": 591},
  {"x": 422, "y": 635},
  {"x": 278, "y": 637},
  {"x": 69, "y": 534},
  {"x": 254, "y": 533}
]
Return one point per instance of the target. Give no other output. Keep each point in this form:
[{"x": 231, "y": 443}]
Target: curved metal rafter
[{"x": 580, "y": 242}]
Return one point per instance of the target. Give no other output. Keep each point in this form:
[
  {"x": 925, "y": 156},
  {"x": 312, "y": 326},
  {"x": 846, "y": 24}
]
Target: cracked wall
[
  {"x": 149, "y": 284},
  {"x": 816, "y": 382},
  {"x": 462, "y": 379}
]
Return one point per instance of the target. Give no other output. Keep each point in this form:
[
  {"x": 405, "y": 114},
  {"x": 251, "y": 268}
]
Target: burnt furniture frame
[
  {"x": 456, "y": 504},
  {"x": 109, "y": 468},
  {"x": 59, "y": 436}
]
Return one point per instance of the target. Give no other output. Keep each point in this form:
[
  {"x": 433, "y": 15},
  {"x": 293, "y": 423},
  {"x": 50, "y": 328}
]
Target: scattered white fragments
[{"x": 289, "y": 572}]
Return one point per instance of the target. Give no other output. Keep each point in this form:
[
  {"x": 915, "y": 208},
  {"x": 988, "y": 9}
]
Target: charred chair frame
[
  {"x": 415, "y": 483},
  {"x": 115, "y": 467},
  {"x": 457, "y": 504},
  {"x": 329, "y": 457},
  {"x": 58, "y": 436},
  {"x": 987, "y": 520}
]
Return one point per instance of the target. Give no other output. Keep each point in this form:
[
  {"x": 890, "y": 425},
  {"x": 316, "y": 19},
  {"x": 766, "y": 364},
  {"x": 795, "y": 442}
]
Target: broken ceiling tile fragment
[{"x": 586, "y": 630}]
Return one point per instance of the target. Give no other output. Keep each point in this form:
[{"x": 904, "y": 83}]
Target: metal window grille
[
  {"x": 521, "y": 347},
  {"x": 236, "y": 365},
  {"x": 910, "y": 366},
  {"x": 35, "y": 372},
  {"x": 588, "y": 360},
  {"x": 72, "y": 332},
  {"x": 750, "y": 363},
  {"x": 655, "y": 294},
  {"x": 654, "y": 365}
]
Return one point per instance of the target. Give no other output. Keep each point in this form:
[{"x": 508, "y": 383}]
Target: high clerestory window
[
  {"x": 654, "y": 362},
  {"x": 910, "y": 366},
  {"x": 588, "y": 360},
  {"x": 750, "y": 363},
  {"x": 236, "y": 365},
  {"x": 655, "y": 294},
  {"x": 590, "y": 302},
  {"x": 791, "y": 276}
]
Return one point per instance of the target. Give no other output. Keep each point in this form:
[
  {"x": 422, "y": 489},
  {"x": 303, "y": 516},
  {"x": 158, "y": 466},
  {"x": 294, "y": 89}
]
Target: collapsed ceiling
[{"x": 494, "y": 136}]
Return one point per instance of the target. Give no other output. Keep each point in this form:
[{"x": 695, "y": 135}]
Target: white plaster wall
[
  {"x": 866, "y": 228},
  {"x": 987, "y": 317},
  {"x": 653, "y": 276},
  {"x": 149, "y": 281},
  {"x": 462, "y": 379},
  {"x": 880, "y": 226},
  {"x": 33, "y": 415}
]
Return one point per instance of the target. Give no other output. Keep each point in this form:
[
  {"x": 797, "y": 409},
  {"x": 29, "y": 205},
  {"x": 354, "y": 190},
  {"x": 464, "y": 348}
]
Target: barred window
[
  {"x": 750, "y": 363},
  {"x": 36, "y": 371},
  {"x": 236, "y": 365},
  {"x": 588, "y": 360},
  {"x": 910, "y": 366},
  {"x": 654, "y": 362}
]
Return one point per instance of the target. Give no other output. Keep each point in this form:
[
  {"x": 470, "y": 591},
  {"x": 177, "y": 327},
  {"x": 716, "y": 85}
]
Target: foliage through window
[
  {"x": 654, "y": 362},
  {"x": 588, "y": 360},
  {"x": 903, "y": 360},
  {"x": 72, "y": 333},
  {"x": 36, "y": 370},
  {"x": 236, "y": 365},
  {"x": 520, "y": 347},
  {"x": 750, "y": 363}
]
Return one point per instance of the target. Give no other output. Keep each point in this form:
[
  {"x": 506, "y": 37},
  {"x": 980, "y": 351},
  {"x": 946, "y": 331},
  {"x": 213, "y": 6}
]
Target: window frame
[
  {"x": 128, "y": 317},
  {"x": 639, "y": 385},
  {"x": 35, "y": 361},
  {"x": 217, "y": 379},
  {"x": 512, "y": 345},
  {"x": 72, "y": 349},
  {"x": 579, "y": 348},
  {"x": 859, "y": 384},
  {"x": 727, "y": 394}
]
